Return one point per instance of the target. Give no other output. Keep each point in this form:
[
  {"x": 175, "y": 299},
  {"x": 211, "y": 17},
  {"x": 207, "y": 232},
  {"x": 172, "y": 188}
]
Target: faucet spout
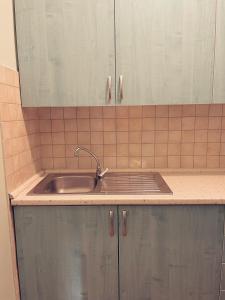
[{"x": 99, "y": 172}]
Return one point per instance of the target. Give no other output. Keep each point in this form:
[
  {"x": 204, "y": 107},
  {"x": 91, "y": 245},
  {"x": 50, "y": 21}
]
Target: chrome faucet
[{"x": 99, "y": 172}]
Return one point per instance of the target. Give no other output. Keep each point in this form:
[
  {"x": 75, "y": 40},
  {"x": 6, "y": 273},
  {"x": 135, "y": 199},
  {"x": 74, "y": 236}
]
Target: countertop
[{"x": 188, "y": 186}]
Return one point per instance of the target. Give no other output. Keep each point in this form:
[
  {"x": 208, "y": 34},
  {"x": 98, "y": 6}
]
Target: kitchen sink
[{"x": 111, "y": 183}]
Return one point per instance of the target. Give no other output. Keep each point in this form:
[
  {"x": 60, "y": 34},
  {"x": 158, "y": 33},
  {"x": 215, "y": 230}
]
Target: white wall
[{"x": 7, "y": 43}]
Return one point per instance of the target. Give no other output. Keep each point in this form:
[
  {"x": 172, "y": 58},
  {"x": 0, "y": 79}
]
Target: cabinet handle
[
  {"x": 124, "y": 222},
  {"x": 109, "y": 84},
  {"x": 111, "y": 223},
  {"x": 121, "y": 88}
]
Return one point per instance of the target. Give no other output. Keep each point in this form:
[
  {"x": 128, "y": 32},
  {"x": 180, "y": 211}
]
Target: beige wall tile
[
  {"x": 56, "y": 113},
  {"x": 96, "y": 112},
  {"x": 148, "y": 111},
  {"x": 188, "y": 123},
  {"x": 122, "y": 150},
  {"x": 122, "y": 112},
  {"x": 58, "y": 138},
  {"x": 57, "y": 125},
  {"x": 97, "y": 138},
  {"x": 96, "y": 124},
  {"x": 187, "y": 161},
  {"x": 200, "y": 161},
  {"x": 175, "y": 110},
  {"x": 135, "y": 124},
  {"x": 109, "y": 125},
  {"x": 83, "y": 124},
  {"x": 135, "y": 111},
  {"x": 109, "y": 150},
  {"x": 71, "y": 138},
  {"x": 122, "y": 124},
  {"x": 216, "y": 110},
  {"x": 134, "y": 137},
  {"x": 148, "y": 150},
  {"x": 162, "y": 123},
  {"x": 83, "y": 138},
  {"x": 161, "y": 161},
  {"x": 122, "y": 162},
  {"x": 162, "y": 111},
  {"x": 70, "y": 125},
  {"x": 135, "y": 162},
  {"x": 69, "y": 112},
  {"x": 174, "y": 161},
  {"x": 109, "y": 137},
  {"x": 110, "y": 162},
  {"x": 213, "y": 161},
  {"x": 148, "y": 137},
  {"x": 134, "y": 150},
  {"x": 109, "y": 112},
  {"x": 161, "y": 136},
  {"x": 148, "y": 124},
  {"x": 201, "y": 136},
  {"x": 188, "y": 110},
  {"x": 83, "y": 112},
  {"x": 122, "y": 137},
  {"x": 148, "y": 162}
]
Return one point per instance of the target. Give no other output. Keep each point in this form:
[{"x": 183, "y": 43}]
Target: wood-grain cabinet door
[
  {"x": 219, "y": 72},
  {"x": 170, "y": 252},
  {"x": 66, "y": 51},
  {"x": 66, "y": 253},
  {"x": 165, "y": 51}
]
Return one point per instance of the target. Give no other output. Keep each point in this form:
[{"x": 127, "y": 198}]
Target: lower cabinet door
[
  {"x": 170, "y": 252},
  {"x": 67, "y": 252}
]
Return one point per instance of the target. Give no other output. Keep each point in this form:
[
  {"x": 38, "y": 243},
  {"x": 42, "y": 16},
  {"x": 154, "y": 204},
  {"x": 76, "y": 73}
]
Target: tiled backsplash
[
  {"x": 177, "y": 136},
  {"x": 20, "y": 128}
]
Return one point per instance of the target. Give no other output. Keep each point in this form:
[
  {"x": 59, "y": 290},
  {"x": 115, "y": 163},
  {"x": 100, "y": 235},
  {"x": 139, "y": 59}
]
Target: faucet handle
[{"x": 101, "y": 175}]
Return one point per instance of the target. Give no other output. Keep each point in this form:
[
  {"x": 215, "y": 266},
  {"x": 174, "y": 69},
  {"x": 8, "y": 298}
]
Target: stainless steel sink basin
[
  {"x": 111, "y": 183},
  {"x": 72, "y": 184}
]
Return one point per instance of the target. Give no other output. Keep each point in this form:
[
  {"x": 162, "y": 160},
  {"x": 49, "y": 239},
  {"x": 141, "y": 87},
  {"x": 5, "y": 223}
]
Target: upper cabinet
[
  {"x": 219, "y": 73},
  {"x": 66, "y": 51},
  {"x": 106, "y": 52},
  {"x": 165, "y": 50}
]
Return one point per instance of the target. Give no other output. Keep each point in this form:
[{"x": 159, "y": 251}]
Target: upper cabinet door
[
  {"x": 165, "y": 51},
  {"x": 219, "y": 73},
  {"x": 66, "y": 51}
]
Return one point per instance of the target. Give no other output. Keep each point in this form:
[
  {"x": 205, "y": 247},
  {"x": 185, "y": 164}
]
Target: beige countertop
[{"x": 188, "y": 186}]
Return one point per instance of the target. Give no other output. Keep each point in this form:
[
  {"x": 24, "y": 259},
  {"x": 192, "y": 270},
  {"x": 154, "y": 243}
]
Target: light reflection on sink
[{"x": 111, "y": 183}]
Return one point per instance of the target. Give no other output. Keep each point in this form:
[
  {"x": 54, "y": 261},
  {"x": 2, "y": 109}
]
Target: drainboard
[{"x": 136, "y": 183}]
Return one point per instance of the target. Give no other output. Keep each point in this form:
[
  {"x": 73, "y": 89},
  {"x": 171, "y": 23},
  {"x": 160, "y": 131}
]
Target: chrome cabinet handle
[
  {"x": 109, "y": 84},
  {"x": 121, "y": 88},
  {"x": 124, "y": 222},
  {"x": 111, "y": 223}
]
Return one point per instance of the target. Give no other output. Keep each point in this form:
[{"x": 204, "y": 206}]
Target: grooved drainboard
[
  {"x": 112, "y": 183},
  {"x": 134, "y": 183}
]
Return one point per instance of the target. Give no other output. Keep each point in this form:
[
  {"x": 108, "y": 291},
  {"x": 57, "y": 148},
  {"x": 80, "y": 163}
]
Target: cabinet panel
[
  {"x": 171, "y": 253},
  {"x": 66, "y": 51},
  {"x": 66, "y": 253},
  {"x": 219, "y": 72},
  {"x": 165, "y": 50}
]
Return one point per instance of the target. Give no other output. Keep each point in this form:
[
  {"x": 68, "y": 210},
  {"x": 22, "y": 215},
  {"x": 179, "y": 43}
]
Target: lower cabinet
[
  {"x": 66, "y": 253},
  {"x": 120, "y": 252}
]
